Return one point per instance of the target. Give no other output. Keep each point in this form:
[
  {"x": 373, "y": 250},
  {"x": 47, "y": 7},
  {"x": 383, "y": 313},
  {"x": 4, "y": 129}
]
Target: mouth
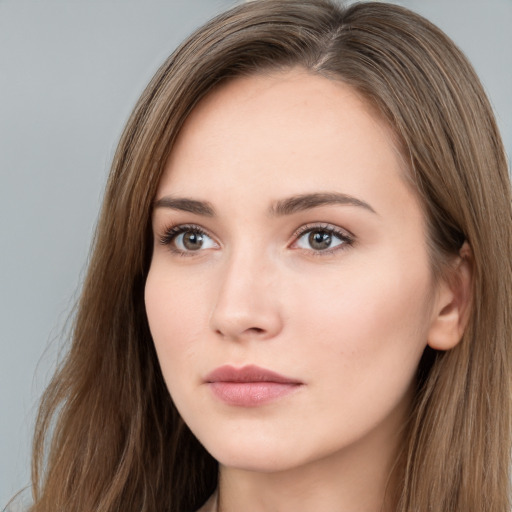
[{"x": 249, "y": 386}]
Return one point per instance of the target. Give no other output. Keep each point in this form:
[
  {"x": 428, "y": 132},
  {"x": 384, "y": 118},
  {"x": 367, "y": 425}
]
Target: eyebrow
[
  {"x": 302, "y": 202},
  {"x": 186, "y": 205},
  {"x": 280, "y": 208}
]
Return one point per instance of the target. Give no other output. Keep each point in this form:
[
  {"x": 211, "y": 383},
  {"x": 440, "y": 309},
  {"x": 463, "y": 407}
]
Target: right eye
[{"x": 187, "y": 239}]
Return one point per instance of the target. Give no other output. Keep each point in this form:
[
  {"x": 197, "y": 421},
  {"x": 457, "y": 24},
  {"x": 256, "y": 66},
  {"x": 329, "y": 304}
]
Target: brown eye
[
  {"x": 319, "y": 240},
  {"x": 187, "y": 239},
  {"x": 323, "y": 239},
  {"x": 192, "y": 241}
]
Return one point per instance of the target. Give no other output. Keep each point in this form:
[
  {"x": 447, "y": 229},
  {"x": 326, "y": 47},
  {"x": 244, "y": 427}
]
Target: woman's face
[{"x": 287, "y": 239}]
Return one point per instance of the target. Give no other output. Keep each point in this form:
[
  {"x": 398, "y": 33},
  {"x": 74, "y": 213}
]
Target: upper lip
[{"x": 250, "y": 373}]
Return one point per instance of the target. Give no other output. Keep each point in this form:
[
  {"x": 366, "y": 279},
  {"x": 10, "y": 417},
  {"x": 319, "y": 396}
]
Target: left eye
[{"x": 321, "y": 239}]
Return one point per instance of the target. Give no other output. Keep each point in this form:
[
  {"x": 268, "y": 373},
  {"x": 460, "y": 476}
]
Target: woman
[{"x": 305, "y": 242}]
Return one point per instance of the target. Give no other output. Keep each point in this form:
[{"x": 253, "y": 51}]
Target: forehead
[
  {"x": 319, "y": 106},
  {"x": 294, "y": 128}
]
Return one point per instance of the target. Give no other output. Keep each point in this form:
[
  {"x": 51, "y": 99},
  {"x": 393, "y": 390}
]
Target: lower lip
[{"x": 251, "y": 394}]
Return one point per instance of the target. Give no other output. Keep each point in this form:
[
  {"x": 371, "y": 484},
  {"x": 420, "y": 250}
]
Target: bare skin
[{"x": 334, "y": 293}]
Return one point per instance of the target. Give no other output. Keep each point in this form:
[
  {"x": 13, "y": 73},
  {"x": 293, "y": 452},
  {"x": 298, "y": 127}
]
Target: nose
[{"x": 247, "y": 303}]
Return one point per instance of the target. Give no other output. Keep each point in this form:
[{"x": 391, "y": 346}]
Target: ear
[{"x": 453, "y": 302}]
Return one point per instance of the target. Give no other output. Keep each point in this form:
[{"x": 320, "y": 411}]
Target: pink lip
[{"x": 249, "y": 386}]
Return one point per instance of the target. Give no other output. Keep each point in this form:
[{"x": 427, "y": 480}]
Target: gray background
[{"x": 70, "y": 72}]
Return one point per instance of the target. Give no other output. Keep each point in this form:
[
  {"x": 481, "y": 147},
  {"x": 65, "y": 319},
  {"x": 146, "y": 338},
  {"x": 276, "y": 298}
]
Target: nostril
[{"x": 255, "y": 331}]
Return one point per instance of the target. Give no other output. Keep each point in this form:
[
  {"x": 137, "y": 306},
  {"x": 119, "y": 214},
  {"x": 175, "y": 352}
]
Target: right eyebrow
[{"x": 186, "y": 205}]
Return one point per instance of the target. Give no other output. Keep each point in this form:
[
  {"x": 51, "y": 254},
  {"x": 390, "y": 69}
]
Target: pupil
[
  {"x": 192, "y": 241},
  {"x": 320, "y": 240}
]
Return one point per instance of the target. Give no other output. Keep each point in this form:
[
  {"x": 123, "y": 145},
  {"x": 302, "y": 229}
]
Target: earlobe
[{"x": 453, "y": 303}]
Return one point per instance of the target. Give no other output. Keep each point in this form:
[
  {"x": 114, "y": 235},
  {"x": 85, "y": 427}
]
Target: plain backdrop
[{"x": 70, "y": 72}]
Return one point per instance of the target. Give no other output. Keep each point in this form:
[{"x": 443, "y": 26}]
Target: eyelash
[
  {"x": 172, "y": 232},
  {"x": 346, "y": 238}
]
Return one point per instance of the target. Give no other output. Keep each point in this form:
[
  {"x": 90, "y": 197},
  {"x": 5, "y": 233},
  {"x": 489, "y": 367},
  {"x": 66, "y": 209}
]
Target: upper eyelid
[
  {"x": 325, "y": 226},
  {"x": 177, "y": 229}
]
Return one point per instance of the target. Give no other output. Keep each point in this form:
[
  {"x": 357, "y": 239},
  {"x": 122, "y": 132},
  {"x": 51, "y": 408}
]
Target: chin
[
  {"x": 258, "y": 461},
  {"x": 259, "y": 455}
]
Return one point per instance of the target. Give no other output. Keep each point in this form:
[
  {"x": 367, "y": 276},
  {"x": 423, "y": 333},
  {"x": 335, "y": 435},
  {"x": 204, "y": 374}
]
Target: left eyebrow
[{"x": 302, "y": 202}]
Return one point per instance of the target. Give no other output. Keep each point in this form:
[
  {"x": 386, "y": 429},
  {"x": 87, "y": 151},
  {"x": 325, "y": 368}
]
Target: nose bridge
[{"x": 247, "y": 304}]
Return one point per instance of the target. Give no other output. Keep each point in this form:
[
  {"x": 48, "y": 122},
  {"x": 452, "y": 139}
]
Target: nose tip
[
  {"x": 238, "y": 320},
  {"x": 246, "y": 305}
]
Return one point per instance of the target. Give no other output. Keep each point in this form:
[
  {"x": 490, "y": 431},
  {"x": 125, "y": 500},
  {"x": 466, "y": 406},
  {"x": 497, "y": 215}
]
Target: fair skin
[{"x": 336, "y": 294}]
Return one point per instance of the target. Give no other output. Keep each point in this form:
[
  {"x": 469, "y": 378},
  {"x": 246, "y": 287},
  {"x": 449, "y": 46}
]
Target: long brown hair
[{"x": 108, "y": 437}]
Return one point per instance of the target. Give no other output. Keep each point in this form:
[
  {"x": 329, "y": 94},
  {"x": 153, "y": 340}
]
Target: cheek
[
  {"x": 176, "y": 314},
  {"x": 372, "y": 323},
  {"x": 359, "y": 341}
]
